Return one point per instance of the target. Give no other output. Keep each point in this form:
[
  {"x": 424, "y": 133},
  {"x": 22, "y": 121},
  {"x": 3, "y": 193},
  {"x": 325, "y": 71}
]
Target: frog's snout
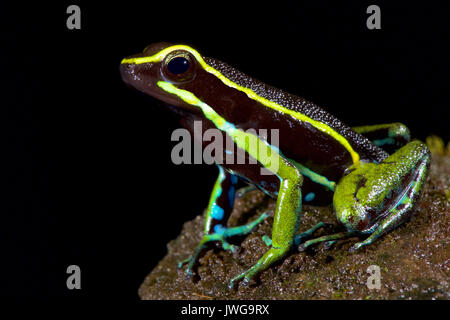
[
  {"x": 144, "y": 78},
  {"x": 126, "y": 70},
  {"x": 129, "y": 72}
]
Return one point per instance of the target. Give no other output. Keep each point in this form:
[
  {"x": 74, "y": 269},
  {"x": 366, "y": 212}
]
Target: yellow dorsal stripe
[{"x": 250, "y": 93}]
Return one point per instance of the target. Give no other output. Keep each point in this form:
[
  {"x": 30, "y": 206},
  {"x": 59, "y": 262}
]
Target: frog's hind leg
[
  {"x": 390, "y": 136},
  {"x": 302, "y": 237},
  {"x": 376, "y": 198},
  {"x": 419, "y": 157},
  {"x": 330, "y": 239},
  {"x": 218, "y": 211}
]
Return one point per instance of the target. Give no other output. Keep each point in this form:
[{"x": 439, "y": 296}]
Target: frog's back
[{"x": 299, "y": 139}]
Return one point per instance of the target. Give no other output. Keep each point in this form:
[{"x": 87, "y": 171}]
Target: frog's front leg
[
  {"x": 218, "y": 211},
  {"x": 286, "y": 220}
]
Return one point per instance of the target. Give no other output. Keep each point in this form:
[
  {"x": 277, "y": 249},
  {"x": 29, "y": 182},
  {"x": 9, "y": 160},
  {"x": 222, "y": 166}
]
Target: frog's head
[{"x": 159, "y": 66}]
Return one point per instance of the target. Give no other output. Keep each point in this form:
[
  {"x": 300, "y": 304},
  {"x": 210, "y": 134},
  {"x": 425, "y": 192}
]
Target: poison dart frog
[{"x": 371, "y": 191}]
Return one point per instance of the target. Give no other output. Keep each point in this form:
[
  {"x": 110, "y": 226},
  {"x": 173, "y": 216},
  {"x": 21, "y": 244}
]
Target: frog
[{"x": 372, "y": 191}]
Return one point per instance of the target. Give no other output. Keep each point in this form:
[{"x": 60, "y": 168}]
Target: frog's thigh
[
  {"x": 389, "y": 134},
  {"x": 417, "y": 156}
]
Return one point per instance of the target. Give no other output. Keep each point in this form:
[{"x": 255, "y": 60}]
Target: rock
[{"x": 414, "y": 259}]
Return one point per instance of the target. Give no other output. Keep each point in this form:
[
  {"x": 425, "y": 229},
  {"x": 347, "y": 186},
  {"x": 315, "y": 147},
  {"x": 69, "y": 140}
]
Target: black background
[{"x": 87, "y": 177}]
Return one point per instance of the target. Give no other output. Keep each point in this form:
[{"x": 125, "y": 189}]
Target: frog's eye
[{"x": 178, "y": 66}]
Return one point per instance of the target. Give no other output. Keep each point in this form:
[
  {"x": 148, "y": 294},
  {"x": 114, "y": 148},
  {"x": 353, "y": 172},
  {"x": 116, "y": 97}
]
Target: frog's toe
[
  {"x": 245, "y": 281},
  {"x": 329, "y": 244},
  {"x": 190, "y": 261},
  {"x": 229, "y": 247},
  {"x": 267, "y": 240},
  {"x": 244, "y": 276},
  {"x": 303, "y": 246},
  {"x": 232, "y": 283},
  {"x": 188, "y": 274},
  {"x": 356, "y": 247},
  {"x": 180, "y": 264}
]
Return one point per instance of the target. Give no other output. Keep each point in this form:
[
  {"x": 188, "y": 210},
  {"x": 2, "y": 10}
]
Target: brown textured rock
[{"x": 414, "y": 259}]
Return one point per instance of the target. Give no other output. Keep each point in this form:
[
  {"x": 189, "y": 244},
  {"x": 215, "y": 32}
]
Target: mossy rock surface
[{"x": 414, "y": 259}]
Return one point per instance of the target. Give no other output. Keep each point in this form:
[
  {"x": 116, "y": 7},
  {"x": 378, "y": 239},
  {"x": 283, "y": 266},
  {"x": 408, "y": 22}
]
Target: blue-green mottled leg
[
  {"x": 241, "y": 230},
  {"x": 285, "y": 225},
  {"x": 220, "y": 235},
  {"x": 403, "y": 210},
  {"x": 394, "y": 219},
  {"x": 331, "y": 237},
  {"x": 394, "y": 135},
  {"x": 219, "y": 209},
  {"x": 300, "y": 238},
  {"x": 202, "y": 245}
]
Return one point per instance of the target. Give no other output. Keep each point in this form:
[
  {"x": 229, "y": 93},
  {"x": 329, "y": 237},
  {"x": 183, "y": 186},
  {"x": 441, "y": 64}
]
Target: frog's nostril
[{"x": 127, "y": 71}]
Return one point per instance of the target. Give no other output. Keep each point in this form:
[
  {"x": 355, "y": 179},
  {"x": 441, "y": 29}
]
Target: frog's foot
[
  {"x": 190, "y": 261},
  {"x": 220, "y": 234},
  {"x": 266, "y": 260},
  {"x": 357, "y": 245},
  {"x": 329, "y": 239},
  {"x": 329, "y": 244}
]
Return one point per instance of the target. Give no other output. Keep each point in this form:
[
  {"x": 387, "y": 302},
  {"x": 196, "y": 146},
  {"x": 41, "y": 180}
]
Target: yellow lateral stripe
[
  {"x": 250, "y": 93},
  {"x": 247, "y": 141}
]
